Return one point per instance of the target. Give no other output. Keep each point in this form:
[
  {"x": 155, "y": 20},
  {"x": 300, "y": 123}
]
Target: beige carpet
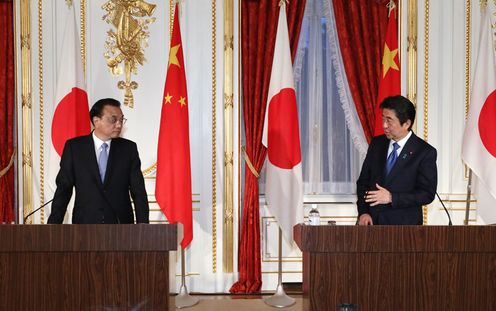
[{"x": 226, "y": 303}]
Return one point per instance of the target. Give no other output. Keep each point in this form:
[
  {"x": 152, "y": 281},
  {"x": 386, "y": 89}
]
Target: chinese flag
[
  {"x": 173, "y": 183},
  {"x": 390, "y": 80}
]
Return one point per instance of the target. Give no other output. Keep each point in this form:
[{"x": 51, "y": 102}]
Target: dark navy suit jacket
[
  {"x": 412, "y": 181},
  {"x": 97, "y": 202}
]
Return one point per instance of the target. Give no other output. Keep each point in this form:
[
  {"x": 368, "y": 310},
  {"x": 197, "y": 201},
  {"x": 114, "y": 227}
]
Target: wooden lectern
[
  {"x": 85, "y": 267},
  {"x": 398, "y": 267}
]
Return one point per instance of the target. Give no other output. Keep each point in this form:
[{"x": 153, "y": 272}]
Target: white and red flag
[
  {"x": 281, "y": 136},
  {"x": 173, "y": 182},
  {"x": 71, "y": 114},
  {"x": 479, "y": 139}
]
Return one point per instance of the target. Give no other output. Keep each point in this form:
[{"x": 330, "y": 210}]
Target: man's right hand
[{"x": 365, "y": 220}]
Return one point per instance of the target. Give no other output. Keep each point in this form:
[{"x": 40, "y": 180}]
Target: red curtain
[
  {"x": 258, "y": 31},
  {"x": 7, "y": 94},
  {"x": 361, "y": 26}
]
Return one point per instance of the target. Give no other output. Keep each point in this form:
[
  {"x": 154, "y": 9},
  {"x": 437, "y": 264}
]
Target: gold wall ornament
[
  {"x": 41, "y": 105},
  {"x": 228, "y": 225},
  {"x": 214, "y": 137},
  {"x": 426, "y": 85},
  {"x": 27, "y": 118},
  {"x": 412, "y": 52},
  {"x": 125, "y": 45}
]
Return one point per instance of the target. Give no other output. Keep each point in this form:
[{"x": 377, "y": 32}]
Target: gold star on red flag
[
  {"x": 173, "y": 55},
  {"x": 168, "y": 98},
  {"x": 388, "y": 60},
  {"x": 182, "y": 101}
]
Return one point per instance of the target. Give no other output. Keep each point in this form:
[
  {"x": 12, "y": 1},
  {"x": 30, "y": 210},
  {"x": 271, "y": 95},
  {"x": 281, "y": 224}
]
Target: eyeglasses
[{"x": 113, "y": 120}]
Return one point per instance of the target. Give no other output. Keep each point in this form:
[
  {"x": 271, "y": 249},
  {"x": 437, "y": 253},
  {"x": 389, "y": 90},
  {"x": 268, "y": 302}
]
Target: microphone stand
[
  {"x": 445, "y": 209},
  {"x": 442, "y": 203},
  {"x": 42, "y": 206}
]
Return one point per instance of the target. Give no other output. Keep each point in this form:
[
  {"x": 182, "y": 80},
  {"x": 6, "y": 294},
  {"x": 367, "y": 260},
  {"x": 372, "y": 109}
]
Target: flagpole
[
  {"x": 183, "y": 299},
  {"x": 280, "y": 299},
  {"x": 469, "y": 192}
]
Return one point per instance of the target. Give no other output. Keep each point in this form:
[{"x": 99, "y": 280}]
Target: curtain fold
[
  {"x": 258, "y": 34},
  {"x": 361, "y": 29},
  {"x": 347, "y": 103},
  {"x": 7, "y": 93},
  {"x": 331, "y": 133}
]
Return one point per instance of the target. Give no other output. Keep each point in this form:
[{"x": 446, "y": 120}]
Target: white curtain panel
[{"x": 332, "y": 137}]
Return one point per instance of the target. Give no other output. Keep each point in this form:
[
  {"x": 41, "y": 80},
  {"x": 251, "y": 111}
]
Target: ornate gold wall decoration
[
  {"x": 228, "y": 137},
  {"x": 468, "y": 31},
  {"x": 41, "y": 109},
  {"x": 412, "y": 51},
  {"x": 426, "y": 82},
  {"x": 126, "y": 43},
  {"x": 27, "y": 135},
  {"x": 82, "y": 20},
  {"x": 214, "y": 137}
]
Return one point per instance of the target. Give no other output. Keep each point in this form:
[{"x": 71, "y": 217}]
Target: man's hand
[
  {"x": 365, "y": 220},
  {"x": 376, "y": 197}
]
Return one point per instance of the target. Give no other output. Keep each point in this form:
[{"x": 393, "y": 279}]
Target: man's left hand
[{"x": 376, "y": 197}]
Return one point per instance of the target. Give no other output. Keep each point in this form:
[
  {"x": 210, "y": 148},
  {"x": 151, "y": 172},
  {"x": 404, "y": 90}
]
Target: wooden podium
[
  {"x": 398, "y": 267},
  {"x": 85, "y": 267}
]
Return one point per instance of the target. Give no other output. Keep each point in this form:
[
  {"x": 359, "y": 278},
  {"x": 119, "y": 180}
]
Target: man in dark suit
[
  {"x": 399, "y": 173},
  {"x": 104, "y": 169}
]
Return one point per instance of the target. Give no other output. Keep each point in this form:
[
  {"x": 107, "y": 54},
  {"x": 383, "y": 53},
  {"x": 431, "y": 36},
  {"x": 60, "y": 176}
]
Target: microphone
[
  {"x": 442, "y": 203},
  {"x": 45, "y": 204}
]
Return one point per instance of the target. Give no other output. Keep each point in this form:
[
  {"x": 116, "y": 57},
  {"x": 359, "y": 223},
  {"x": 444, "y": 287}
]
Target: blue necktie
[
  {"x": 392, "y": 158},
  {"x": 102, "y": 161}
]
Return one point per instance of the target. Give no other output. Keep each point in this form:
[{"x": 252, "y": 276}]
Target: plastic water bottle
[
  {"x": 347, "y": 307},
  {"x": 314, "y": 216}
]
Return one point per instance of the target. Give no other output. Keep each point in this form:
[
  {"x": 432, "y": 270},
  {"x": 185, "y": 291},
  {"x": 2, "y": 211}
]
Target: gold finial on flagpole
[
  {"x": 391, "y": 6},
  {"x": 69, "y": 3},
  {"x": 281, "y": 2},
  {"x": 180, "y": 4}
]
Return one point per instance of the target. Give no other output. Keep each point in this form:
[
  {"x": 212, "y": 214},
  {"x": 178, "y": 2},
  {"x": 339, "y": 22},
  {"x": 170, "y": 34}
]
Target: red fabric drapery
[
  {"x": 361, "y": 27},
  {"x": 7, "y": 94},
  {"x": 258, "y": 31}
]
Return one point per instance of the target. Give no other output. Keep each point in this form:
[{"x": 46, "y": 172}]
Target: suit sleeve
[
  {"x": 137, "y": 189},
  {"x": 65, "y": 184},
  {"x": 425, "y": 186},
  {"x": 363, "y": 182}
]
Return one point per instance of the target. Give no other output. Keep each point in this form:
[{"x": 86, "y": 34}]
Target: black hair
[
  {"x": 97, "y": 109},
  {"x": 403, "y": 108}
]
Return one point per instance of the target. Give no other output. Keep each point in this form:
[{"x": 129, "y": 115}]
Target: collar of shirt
[
  {"x": 98, "y": 144},
  {"x": 400, "y": 142}
]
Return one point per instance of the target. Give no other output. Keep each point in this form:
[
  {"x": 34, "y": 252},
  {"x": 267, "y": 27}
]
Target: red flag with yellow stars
[
  {"x": 173, "y": 183},
  {"x": 390, "y": 80}
]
